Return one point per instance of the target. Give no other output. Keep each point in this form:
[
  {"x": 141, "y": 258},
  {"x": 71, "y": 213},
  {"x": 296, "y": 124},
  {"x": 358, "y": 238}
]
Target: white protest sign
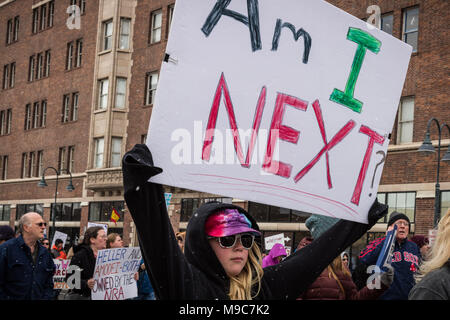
[
  {"x": 270, "y": 241},
  {"x": 114, "y": 273},
  {"x": 59, "y": 277},
  {"x": 59, "y": 235},
  {"x": 94, "y": 224},
  {"x": 288, "y": 103}
]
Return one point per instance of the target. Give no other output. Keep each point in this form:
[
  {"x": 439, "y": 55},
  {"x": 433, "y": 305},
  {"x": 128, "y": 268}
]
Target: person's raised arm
[{"x": 166, "y": 265}]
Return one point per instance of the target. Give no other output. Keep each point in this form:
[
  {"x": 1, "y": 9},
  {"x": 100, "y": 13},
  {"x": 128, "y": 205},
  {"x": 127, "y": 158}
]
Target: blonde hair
[
  {"x": 440, "y": 251},
  {"x": 111, "y": 238},
  {"x": 242, "y": 284}
]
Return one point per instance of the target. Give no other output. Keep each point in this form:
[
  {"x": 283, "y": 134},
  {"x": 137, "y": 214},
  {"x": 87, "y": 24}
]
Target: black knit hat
[{"x": 397, "y": 216}]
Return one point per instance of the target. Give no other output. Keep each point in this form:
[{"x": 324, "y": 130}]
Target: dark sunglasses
[
  {"x": 45, "y": 243},
  {"x": 229, "y": 241},
  {"x": 40, "y": 224}
]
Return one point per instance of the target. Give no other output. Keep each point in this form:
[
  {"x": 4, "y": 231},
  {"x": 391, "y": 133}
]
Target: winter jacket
[
  {"x": 198, "y": 274},
  {"x": 83, "y": 258},
  {"x": 58, "y": 254},
  {"x": 20, "y": 277},
  {"x": 326, "y": 287},
  {"x": 405, "y": 261},
  {"x": 143, "y": 284},
  {"x": 434, "y": 286},
  {"x": 276, "y": 251}
]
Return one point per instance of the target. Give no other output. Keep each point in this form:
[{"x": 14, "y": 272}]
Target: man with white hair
[{"x": 26, "y": 267}]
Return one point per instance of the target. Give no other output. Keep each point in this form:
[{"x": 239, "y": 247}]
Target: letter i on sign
[{"x": 365, "y": 41}]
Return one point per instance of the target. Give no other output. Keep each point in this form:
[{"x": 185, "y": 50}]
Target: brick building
[{"x": 77, "y": 96}]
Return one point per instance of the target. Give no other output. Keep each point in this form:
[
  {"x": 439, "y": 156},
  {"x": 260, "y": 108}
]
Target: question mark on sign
[{"x": 376, "y": 167}]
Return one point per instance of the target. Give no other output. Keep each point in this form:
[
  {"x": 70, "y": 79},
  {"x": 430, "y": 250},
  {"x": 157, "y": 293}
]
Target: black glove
[
  {"x": 137, "y": 167},
  {"x": 376, "y": 212}
]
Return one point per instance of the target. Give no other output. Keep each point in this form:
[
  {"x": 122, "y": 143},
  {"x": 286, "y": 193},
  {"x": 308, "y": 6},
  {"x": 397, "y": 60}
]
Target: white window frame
[
  {"x": 124, "y": 37},
  {"x": 402, "y": 122},
  {"x": 121, "y": 93},
  {"x": 107, "y": 35},
  {"x": 99, "y": 149},
  {"x": 116, "y": 151},
  {"x": 406, "y": 33},
  {"x": 103, "y": 91},
  {"x": 156, "y": 26},
  {"x": 150, "y": 87}
]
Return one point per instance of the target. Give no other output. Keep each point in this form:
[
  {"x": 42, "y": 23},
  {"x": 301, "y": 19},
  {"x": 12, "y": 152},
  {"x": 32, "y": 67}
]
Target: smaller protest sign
[
  {"x": 94, "y": 224},
  {"x": 385, "y": 256},
  {"x": 270, "y": 241},
  {"x": 59, "y": 277},
  {"x": 114, "y": 273},
  {"x": 59, "y": 235}
]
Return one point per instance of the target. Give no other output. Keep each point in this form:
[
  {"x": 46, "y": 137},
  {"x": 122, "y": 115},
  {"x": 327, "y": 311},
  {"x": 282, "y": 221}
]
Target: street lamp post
[
  {"x": 427, "y": 146},
  {"x": 43, "y": 184}
]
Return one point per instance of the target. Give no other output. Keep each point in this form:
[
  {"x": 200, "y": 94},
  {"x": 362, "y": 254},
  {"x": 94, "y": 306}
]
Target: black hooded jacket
[
  {"x": 198, "y": 274},
  {"x": 83, "y": 258}
]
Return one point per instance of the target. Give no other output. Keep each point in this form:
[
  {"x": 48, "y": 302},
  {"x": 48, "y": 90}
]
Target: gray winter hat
[{"x": 318, "y": 224}]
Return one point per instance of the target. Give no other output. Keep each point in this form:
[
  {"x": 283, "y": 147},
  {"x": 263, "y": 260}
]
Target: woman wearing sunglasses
[{"x": 222, "y": 257}]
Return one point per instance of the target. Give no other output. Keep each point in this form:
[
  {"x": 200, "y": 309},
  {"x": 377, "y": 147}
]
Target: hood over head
[
  {"x": 277, "y": 250},
  {"x": 198, "y": 251}
]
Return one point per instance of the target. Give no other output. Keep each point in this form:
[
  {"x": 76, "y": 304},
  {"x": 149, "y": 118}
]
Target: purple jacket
[{"x": 276, "y": 251}]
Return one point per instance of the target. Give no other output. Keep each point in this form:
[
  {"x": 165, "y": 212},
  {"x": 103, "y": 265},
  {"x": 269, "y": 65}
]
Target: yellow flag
[{"x": 114, "y": 216}]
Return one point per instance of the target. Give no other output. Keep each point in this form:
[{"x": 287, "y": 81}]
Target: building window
[
  {"x": 116, "y": 148},
  {"x": 35, "y": 20},
  {"x": 411, "y": 27},
  {"x": 404, "y": 202},
  {"x": 80, "y": 3},
  {"x": 47, "y": 64},
  {"x": 32, "y": 165},
  {"x": 70, "y": 158},
  {"x": 124, "y": 39},
  {"x": 107, "y": 34},
  {"x": 156, "y": 23},
  {"x": 387, "y": 21},
  {"x": 144, "y": 138},
  {"x": 21, "y": 209},
  {"x": 405, "y": 120},
  {"x": 445, "y": 202},
  {"x": 98, "y": 152},
  {"x": 151, "y": 82},
  {"x": 9, "y": 75},
  {"x": 39, "y": 65},
  {"x": 40, "y": 162},
  {"x": 170, "y": 9},
  {"x": 31, "y": 69},
  {"x": 121, "y": 89},
  {"x": 3, "y": 167},
  {"x": 67, "y": 211},
  {"x": 101, "y": 211},
  {"x": 103, "y": 93},
  {"x": 24, "y": 173},
  {"x": 79, "y": 53},
  {"x": 5, "y": 121},
  {"x": 35, "y": 115},
  {"x": 12, "y": 30},
  {"x": 62, "y": 159},
  {"x": 265, "y": 213},
  {"x": 43, "y": 17},
  {"x": 27, "y": 125},
  {"x": 70, "y": 107},
  {"x": 69, "y": 57},
  {"x": 5, "y": 212}
]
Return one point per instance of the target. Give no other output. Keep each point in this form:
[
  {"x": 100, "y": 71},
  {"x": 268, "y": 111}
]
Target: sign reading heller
[
  {"x": 288, "y": 103},
  {"x": 114, "y": 274}
]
